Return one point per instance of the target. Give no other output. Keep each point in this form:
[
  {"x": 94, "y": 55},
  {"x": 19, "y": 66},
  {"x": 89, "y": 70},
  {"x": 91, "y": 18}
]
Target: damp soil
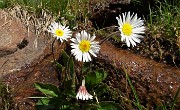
[{"x": 153, "y": 85}]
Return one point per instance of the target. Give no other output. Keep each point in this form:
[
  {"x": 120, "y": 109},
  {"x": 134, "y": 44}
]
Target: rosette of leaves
[{"x": 64, "y": 96}]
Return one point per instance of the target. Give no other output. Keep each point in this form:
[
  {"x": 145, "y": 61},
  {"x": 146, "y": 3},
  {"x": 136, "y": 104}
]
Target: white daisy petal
[
  {"x": 139, "y": 30},
  {"x": 128, "y": 18},
  {"x": 123, "y": 37},
  {"x": 131, "y": 28},
  {"x": 119, "y": 20},
  {"x": 78, "y": 37},
  {"x": 93, "y": 37},
  {"x": 127, "y": 42},
  {"x": 93, "y": 53},
  {"x": 84, "y": 57},
  {"x": 136, "y": 39},
  {"x": 83, "y": 35},
  {"x": 137, "y": 23},
  {"x": 79, "y": 56},
  {"x": 124, "y": 18},
  {"x": 83, "y": 46},
  {"x": 132, "y": 42},
  {"x": 140, "y": 36},
  {"x": 89, "y": 57},
  {"x": 131, "y": 16},
  {"x": 134, "y": 19},
  {"x": 73, "y": 40},
  {"x": 60, "y": 32}
]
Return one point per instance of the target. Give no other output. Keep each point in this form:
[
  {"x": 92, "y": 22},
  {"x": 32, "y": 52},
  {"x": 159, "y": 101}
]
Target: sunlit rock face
[
  {"x": 12, "y": 33},
  {"x": 18, "y": 47},
  {"x": 25, "y": 59}
]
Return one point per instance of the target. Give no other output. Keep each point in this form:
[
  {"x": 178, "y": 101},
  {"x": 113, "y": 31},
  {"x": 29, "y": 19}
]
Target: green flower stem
[
  {"x": 38, "y": 97},
  {"x": 109, "y": 36},
  {"x": 53, "y": 49}
]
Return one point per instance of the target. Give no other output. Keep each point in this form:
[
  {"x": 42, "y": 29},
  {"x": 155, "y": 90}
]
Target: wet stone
[{"x": 156, "y": 83}]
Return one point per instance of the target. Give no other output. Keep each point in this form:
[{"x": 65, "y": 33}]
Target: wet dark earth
[
  {"x": 156, "y": 83},
  {"x": 152, "y": 65}
]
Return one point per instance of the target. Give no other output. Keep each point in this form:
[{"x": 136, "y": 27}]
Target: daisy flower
[
  {"x": 84, "y": 45},
  {"x": 131, "y": 28},
  {"x": 59, "y": 31},
  {"x": 83, "y": 93}
]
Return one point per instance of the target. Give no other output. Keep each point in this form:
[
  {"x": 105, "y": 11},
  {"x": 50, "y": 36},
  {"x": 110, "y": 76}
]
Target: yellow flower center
[
  {"x": 127, "y": 29},
  {"x": 84, "y": 45},
  {"x": 59, "y": 32}
]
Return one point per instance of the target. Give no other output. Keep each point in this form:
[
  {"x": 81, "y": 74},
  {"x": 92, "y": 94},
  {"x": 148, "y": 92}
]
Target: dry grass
[{"x": 6, "y": 102}]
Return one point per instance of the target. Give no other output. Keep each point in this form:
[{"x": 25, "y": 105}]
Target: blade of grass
[
  {"x": 174, "y": 101},
  {"x": 133, "y": 89},
  {"x": 150, "y": 15}
]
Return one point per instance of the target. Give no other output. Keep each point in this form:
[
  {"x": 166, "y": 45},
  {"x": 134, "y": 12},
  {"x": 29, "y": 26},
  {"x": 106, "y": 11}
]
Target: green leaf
[
  {"x": 109, "y": 106},
  {"x": 47, "y": 89},
  {"x": 59, "y": 66},
  {"x": 91, "y": 79},
  {"x": 103, "y": 88},
  {"x": 71, "y": 67},
  {"x": 86, "y": 67},
  {"x": 96, "y": 77},
  {"x": 47, "y": 104},
  {"x": 69, "y": 88},
  {"x": 43, "y": 104},
  {"x": 44, "y": 107},
  {"x": 100, "y": 75},
  {"x": 65, "y": 58},
  {"x": 43, "y": 101},
  {"x": 67, "y": 84},
  {"x": 90, "y": 106},
  {"x": 70, "y": 93}
]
